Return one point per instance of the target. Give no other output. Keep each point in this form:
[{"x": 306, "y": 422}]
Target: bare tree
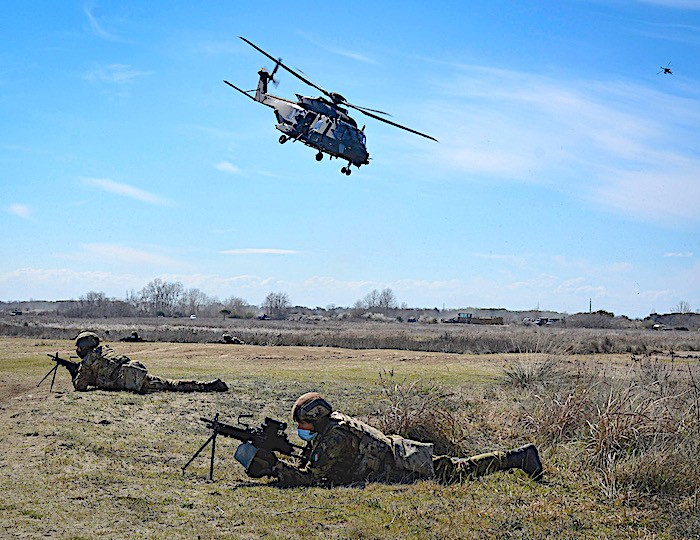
[
  {"x": 91, "y": 304},
  {"x": 371, "y": 299},
  {"x": 193, "y": 300},
  {"x": 383, "y": 301},
  {"x": 161, "y": 297},
  {"x": 387, "y": 300},
  {"x": 238, "y": 306},
  {"x": 276, "y": 305},
  {"x": 681, "y": 307}
]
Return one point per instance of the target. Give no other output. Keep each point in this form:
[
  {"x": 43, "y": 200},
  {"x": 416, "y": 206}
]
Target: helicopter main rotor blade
[
  {"x": 278, "y": 62},
  {"x": 391, "y": 123},
  {"x": 364, "y": 109}
]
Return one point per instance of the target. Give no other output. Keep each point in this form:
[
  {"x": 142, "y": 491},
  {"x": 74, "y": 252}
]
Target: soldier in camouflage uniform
[
  {"x": 343, "y": 450},
  {"x": 102, "y": 368}
]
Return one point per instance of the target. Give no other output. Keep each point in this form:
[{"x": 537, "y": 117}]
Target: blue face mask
[{"x": 306, "y": 434}]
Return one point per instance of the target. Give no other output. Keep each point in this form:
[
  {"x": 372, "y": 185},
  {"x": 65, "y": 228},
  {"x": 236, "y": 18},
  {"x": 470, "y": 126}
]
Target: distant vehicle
[
  {"x": 193, "y": 316},
  {"x": 263, "y": 317},
  {"x": 15, "y": 313},
  {"x": 545, "y": 321},
  {"x": 468, "y": 318},
  {"x": 323, "y": 124}
]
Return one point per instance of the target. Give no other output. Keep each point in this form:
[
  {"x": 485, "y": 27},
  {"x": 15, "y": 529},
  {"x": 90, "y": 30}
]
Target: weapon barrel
[{"x": 229, "y": 431}]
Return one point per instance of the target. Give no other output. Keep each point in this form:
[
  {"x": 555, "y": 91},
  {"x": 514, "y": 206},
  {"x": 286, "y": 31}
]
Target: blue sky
[{"x": 567, "y": 170}]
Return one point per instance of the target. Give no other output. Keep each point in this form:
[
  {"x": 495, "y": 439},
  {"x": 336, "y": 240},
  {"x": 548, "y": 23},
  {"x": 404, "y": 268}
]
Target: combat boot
[
  {"x": 527, "y": 459},
  {"x": 217, "y": 385}
]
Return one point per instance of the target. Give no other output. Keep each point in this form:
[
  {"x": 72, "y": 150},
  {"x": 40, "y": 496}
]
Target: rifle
[
  {"x": 270, "y": 437},
  {"x": 72, "y": 368}
]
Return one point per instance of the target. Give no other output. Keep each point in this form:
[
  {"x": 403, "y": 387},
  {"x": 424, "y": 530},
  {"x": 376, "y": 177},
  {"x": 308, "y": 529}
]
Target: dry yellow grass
[{"x": 107, "y": 464}]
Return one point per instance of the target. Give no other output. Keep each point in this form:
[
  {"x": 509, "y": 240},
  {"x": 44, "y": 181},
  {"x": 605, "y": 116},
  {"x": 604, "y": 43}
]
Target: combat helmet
[
  {"x": 310, "y": 408},
  {"x": 86, "y": 340}
]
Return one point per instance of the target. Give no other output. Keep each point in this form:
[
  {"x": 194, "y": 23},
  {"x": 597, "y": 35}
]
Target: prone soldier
[
  {"x": 343, "y": 450},
  {"x": 102, "y": 368}
]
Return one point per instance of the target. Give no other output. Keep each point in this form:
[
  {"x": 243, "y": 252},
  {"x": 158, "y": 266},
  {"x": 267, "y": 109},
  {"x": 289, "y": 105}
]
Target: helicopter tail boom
[{"x": 241, "y": 91}]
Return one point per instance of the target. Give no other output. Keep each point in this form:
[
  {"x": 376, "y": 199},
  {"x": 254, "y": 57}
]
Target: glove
[{"x": 262, "y": 464}]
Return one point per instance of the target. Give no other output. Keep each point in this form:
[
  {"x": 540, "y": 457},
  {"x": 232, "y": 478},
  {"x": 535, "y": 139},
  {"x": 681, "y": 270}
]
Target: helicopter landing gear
[
  {"x": 319, "y": 156},
  {"x": 283, "y": 139},
  {"x": 346, "y": 171}
]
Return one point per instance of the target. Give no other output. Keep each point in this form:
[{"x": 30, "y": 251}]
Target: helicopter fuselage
[
  {"x": 323, "y": 124},
  {"x": 320, "y": 125}
]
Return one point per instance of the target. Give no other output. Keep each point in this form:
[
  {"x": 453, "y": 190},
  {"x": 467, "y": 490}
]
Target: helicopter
[
  {"x": 666, "y": 70},
  {"x": 322, "y": 123}
]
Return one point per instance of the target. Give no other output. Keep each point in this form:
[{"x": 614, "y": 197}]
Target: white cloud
[
  {"x": 560, "y": 293},
  {"x": 95, "y": 25},
  {"x": 659, "y": 195},
  {"x": 227, "y": 167},
  {"x": 20, "y": 210},
  {"x": 340, "y": 51},
  {"x": 125, "y": 190},
  {"x": 63, "y": 283},
  {"x": 117, "y": 74},
  {"x": 623, "y": 147},
  {"x": 679, "y": 254},
  {"x": 259, "y": 251},
  {"x": 125, "y": 254}
]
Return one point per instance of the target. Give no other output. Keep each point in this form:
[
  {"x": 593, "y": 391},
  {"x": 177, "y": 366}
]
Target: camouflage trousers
[
  {"x": 153, "y": 383},
  {"x": 450, "y": 470}
]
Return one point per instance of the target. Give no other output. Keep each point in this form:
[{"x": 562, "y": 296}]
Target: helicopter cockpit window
[
  {"x": 341, "y": 130},
  {"x": 349, "y": 131}
]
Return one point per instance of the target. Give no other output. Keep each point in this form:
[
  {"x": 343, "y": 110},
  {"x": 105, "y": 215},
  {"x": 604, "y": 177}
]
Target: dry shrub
[
  {"x": 418, "y": 410},
  {"x": 541, "y": 371},
  {"x": 542, "y": 365},
  {"x": 565, "y": 415},
  {"x": 639, "y": 430}
]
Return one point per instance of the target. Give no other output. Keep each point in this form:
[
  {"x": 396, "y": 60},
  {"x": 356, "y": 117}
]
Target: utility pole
[{"x": 590, "y": 305}]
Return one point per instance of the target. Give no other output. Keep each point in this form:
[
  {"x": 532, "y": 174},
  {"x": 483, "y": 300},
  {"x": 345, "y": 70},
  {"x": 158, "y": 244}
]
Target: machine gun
[
  {"x": 269, "y": 437},
  {"x": 72, "y": 368}
]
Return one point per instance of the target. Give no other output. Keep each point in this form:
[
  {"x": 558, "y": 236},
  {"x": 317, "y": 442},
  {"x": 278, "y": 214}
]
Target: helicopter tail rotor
[{"x": 274, "y": 70}]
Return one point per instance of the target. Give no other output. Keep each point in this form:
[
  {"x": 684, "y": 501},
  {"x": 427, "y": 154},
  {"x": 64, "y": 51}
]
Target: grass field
[{"x": 618, "y": 437}]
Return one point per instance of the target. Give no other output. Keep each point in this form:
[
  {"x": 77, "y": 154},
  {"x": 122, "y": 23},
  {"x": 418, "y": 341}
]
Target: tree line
[{"x": 160, "y": 298}]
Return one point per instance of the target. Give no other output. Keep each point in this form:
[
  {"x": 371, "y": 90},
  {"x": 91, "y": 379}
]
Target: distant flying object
[
  {"x": 666, "y": 70},
  {"x": 323, "y": 124}
]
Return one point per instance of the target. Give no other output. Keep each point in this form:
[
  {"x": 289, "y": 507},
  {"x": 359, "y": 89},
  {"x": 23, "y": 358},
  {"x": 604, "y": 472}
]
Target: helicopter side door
[{"x": 289, "y": 118}]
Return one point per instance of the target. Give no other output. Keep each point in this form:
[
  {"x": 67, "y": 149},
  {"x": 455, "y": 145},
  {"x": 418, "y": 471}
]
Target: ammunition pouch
[
  {"x": 131, "y": 376},
  {"x": 413, "y": 456}
]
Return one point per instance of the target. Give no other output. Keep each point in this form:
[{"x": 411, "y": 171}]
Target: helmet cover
[
  {"x": 85, "y": 340},
  {"x": 310, "y": 407}
]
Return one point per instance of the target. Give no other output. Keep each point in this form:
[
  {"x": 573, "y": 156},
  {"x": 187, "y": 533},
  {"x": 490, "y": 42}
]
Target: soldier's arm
[
  {"x": 327, "y": 460},
  {"x": 290, "y": 476},
  {"x": 85, "y": 375},
  {"x": 82, "y": 379}
]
